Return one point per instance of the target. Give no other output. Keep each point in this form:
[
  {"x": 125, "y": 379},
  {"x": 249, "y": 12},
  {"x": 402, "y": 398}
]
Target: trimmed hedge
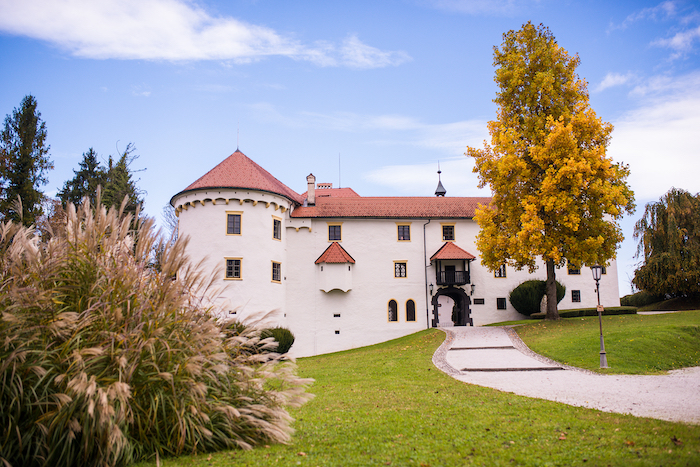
[
  {"x": 527, "y": 297},
  {"x": 640, "y": 299},
  {"x": 575, "y": 313},
  {"x": 283, "y": 337}
]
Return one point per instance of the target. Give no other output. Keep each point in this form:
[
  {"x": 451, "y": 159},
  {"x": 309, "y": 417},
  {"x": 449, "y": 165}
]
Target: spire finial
[
  {"x": 238, "y": 135},
  {"x": 440, "y": 190}
]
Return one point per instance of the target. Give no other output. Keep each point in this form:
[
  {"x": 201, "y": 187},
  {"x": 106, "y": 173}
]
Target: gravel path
[{"x": 497, "y": 358}]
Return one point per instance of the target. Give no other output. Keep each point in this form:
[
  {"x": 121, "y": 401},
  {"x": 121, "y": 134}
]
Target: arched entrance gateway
[
  {"x": 451, "y": 272},
  {"x": 461, "y": 313}
]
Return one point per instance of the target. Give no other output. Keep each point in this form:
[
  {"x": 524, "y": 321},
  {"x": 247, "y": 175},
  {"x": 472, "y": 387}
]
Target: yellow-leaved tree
[{"x": 556, "y": 194}]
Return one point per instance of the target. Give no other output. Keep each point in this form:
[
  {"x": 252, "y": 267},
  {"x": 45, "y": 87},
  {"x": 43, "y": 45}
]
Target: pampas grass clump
[{"x": 106, "y": 360}]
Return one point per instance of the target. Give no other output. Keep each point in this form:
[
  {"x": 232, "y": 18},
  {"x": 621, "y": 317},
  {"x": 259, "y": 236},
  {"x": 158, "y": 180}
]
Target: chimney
[{"x": 311, "y": 190}]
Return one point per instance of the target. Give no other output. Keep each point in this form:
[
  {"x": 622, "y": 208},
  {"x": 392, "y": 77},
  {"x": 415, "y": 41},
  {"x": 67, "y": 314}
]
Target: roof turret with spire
[{"x": 440, "y": 190}]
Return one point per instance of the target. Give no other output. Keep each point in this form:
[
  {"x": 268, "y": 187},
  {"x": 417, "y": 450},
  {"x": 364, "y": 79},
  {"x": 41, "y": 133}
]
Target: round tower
[{"x": 235, "y": 217}]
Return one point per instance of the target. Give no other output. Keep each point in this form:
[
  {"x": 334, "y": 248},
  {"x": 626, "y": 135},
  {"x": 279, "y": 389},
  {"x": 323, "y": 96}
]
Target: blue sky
[{"x": 369, "y": 95}]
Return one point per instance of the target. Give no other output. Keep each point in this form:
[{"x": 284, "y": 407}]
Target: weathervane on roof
[
  {"x": 440, "y": 190},
  {"x": 238, "y": 134}
]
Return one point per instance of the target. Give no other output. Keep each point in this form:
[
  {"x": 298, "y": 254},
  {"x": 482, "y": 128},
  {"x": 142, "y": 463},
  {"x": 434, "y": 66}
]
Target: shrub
[
  {"x": 613, "y": 310},
  {"x": 283, "y": 338},
  {"x": 640, "y": 299},
  {"x": 527, "y": 297},
  {"x": 106, "y": 361}
]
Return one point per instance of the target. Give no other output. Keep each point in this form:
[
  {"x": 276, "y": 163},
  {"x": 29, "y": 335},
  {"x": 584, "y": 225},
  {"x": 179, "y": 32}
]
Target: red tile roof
[
  {"x": 238, "y": 171},
  {"x": 335, "y": 254},
  {"x": 392, "y": 207},
  {"x": 333, "y": 193},
  {"x": 451, "y": 251}
]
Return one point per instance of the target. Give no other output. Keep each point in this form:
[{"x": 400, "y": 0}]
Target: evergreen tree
[
  {"x": 120, "y": 183},
  {"x": 556, "y": 194},
  {"x": 24, "y": 163},
  {"x": 86, "y": 180}
]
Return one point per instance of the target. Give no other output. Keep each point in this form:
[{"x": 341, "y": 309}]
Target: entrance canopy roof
[{"x": 451, "y": 251}]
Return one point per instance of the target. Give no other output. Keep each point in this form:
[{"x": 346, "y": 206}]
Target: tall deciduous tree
[
  {"x": 556, "y": 194},
  {"x": 669, "y": 242},
  {"x": 85, "y": 182},
  {"x": 24, "y": 162}
]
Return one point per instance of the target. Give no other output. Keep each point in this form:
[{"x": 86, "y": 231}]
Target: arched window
[
  {"x": 393, "y": 310},
  {"x": 410, "y": 310}
]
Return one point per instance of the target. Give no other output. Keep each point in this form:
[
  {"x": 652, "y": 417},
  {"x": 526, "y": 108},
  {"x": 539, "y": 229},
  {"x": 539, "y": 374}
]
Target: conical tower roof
[{"x": 238, "y": 171}]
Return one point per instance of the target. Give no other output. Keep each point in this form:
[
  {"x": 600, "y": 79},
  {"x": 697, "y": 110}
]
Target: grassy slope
[
  {"x": 388, "y": 405},
  {"x": 634, "y": 344}
]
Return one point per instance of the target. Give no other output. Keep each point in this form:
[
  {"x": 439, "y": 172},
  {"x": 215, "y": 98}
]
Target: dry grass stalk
[{"x": 105, "y": 359}]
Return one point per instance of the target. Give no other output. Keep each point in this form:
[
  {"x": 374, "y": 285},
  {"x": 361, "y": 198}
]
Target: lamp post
[{"x": 597, "y": 271}]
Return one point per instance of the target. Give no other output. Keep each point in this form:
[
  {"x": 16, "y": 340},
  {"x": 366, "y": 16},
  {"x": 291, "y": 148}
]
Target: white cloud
[
  {"x": 457, "y": 178},
  {"x": 682, "y": 42},
  {"x": 659, "y": 139},
  {"x": 614, "y": 79},
  {"x": 450, "y": 139},
  {"x": 663, "y": 10},
  {"x": 358, "y": 55},
  {"x": 170, "y": 30}
]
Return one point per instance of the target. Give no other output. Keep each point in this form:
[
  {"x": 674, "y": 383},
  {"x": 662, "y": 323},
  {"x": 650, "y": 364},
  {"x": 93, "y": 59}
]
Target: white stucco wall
[
  {"x": 339, "y": 309},
  {"x": 202, "y": 217}
]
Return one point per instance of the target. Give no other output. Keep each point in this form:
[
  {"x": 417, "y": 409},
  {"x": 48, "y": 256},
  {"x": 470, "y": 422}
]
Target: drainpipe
[{"x": 425, "y": 256}]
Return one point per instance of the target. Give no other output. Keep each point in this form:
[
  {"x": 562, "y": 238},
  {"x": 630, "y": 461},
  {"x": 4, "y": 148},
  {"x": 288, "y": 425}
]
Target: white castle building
[{"x": 344, "y": 270}]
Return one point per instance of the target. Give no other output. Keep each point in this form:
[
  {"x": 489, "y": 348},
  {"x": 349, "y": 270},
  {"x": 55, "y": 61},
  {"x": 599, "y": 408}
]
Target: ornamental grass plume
[{"x": 106, "y": 360}]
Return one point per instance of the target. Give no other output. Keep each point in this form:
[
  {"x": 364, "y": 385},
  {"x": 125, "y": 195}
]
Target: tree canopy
[
  {"x": 24, "y": 163},
  {"x": 556, "y": 193},
  {"x": 86, "y": 180},
  {"x": 669, "y": 243},
  {"x": 116, "y": 180}
]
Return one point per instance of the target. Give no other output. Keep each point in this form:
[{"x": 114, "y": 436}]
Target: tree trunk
[{"x": 551, "y": 292}]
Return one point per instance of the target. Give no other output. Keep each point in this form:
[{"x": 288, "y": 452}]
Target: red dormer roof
[
  {"x": 335, "y": 254},
  {"x": 451, "y": 251},
  {"x": 239, "y": 171},
  {"x": 392, "y": 207}
]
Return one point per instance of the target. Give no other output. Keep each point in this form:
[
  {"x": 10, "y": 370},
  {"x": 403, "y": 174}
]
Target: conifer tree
[
  {"x": 85, "y": 182},
  {"x": 120, "y": 182},
  {"x": 556, "y": 194},
  {"x": 24, "y": 163}
]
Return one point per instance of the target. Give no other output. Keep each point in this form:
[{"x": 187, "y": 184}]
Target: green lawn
[
  {"x": 634, "y": 344},
  {"x": 388, "y": 405}
]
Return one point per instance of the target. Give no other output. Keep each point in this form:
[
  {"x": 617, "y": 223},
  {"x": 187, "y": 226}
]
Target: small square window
[
  {"x": 448, "y": 233},
  {"x": 576, "y": 296},
  {"x": 277, "y": 229},
  {"x": 233, "y": 224},
  {"x": 500, "y": 303},
  {"x": 399, "y": 269},
  {"x": 573, "y": 270},
  {"x": 500, "y": 272},
  {"x": 479, "y": 301},
  {"x": 276, "y": 272},
  {"x": 233, "y": 269},
  {"x": 404, "y": 232},
  {"x": 334, "y": 233}
]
